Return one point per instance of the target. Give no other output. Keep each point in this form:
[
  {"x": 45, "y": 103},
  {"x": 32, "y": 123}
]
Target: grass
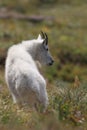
[
  {"x": 68, "y": 45},
  {"x": 67, "y": 108}
]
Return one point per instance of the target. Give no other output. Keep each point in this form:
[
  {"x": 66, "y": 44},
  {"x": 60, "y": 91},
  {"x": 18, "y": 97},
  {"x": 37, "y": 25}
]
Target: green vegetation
[{"x": 65, "y": 22}]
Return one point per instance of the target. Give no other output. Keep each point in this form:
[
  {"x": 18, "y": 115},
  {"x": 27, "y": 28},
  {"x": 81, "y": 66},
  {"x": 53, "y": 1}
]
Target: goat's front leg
[{"x": 43, "y": 99}]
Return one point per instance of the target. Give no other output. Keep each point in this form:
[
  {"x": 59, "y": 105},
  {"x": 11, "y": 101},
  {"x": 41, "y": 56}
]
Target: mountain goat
[{"x": 26, "y": 84}]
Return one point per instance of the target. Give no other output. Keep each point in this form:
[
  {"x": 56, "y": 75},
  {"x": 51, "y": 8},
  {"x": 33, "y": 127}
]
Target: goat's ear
[{"x": 39, "y": 37}]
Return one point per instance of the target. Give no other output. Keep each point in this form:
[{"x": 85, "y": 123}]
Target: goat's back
[{"x": 19, "y": 62}]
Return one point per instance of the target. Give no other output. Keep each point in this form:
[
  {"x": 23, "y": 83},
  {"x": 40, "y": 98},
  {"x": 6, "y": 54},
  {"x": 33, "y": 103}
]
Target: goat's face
[{"x": 44, "y": 56}]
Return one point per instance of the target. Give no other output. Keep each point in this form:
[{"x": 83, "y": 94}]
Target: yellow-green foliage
[
  {"x": 67, "y": 108},
  {"x": 67, "y": 32}
]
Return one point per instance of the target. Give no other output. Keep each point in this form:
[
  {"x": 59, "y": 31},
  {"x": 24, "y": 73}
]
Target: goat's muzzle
[{"x": 51, "y": 63}]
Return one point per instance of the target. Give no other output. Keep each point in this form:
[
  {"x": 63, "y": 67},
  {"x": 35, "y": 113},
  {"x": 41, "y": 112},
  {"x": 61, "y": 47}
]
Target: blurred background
[{"x": 65, "y": 22}]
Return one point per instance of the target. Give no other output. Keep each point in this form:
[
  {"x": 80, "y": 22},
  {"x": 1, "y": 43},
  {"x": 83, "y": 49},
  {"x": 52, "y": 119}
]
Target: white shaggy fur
[{"x": 26, "y": 84}]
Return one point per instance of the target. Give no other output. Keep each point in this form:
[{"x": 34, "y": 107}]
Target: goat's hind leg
[
  {"x": 15, "y": 96},
  {"x": 16, "y": 100}
]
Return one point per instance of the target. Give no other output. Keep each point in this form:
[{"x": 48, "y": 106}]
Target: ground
[{"x": 66, "y": 26}]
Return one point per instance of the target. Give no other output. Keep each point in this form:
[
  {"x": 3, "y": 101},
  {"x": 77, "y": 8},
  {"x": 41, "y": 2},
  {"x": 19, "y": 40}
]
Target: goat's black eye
[{"x": 47, "y": 49}]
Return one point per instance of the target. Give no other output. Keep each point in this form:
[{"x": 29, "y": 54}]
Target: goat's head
[{"x": 44, "y": 56}]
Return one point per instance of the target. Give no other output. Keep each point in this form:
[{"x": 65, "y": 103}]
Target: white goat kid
[{"x": 26, "y": 84}]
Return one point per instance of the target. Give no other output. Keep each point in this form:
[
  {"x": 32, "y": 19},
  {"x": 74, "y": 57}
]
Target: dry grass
[
  {"x": 67, "y": 109},
  {"x": 67, "y": 40}
]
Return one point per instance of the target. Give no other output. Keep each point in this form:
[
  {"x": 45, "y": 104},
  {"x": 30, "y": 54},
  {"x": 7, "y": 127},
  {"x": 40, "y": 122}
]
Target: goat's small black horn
[
  {"x": 46, "y": 37},
  {"x": 42, "y": 34}
]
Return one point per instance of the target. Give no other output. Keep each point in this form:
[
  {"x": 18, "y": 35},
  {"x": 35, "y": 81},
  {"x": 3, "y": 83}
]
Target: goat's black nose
[{"x": 52, "y": 61}]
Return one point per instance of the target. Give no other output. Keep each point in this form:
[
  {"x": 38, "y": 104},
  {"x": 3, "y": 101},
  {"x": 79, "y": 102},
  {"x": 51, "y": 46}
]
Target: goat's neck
[{"x": 32, "y": 49}]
